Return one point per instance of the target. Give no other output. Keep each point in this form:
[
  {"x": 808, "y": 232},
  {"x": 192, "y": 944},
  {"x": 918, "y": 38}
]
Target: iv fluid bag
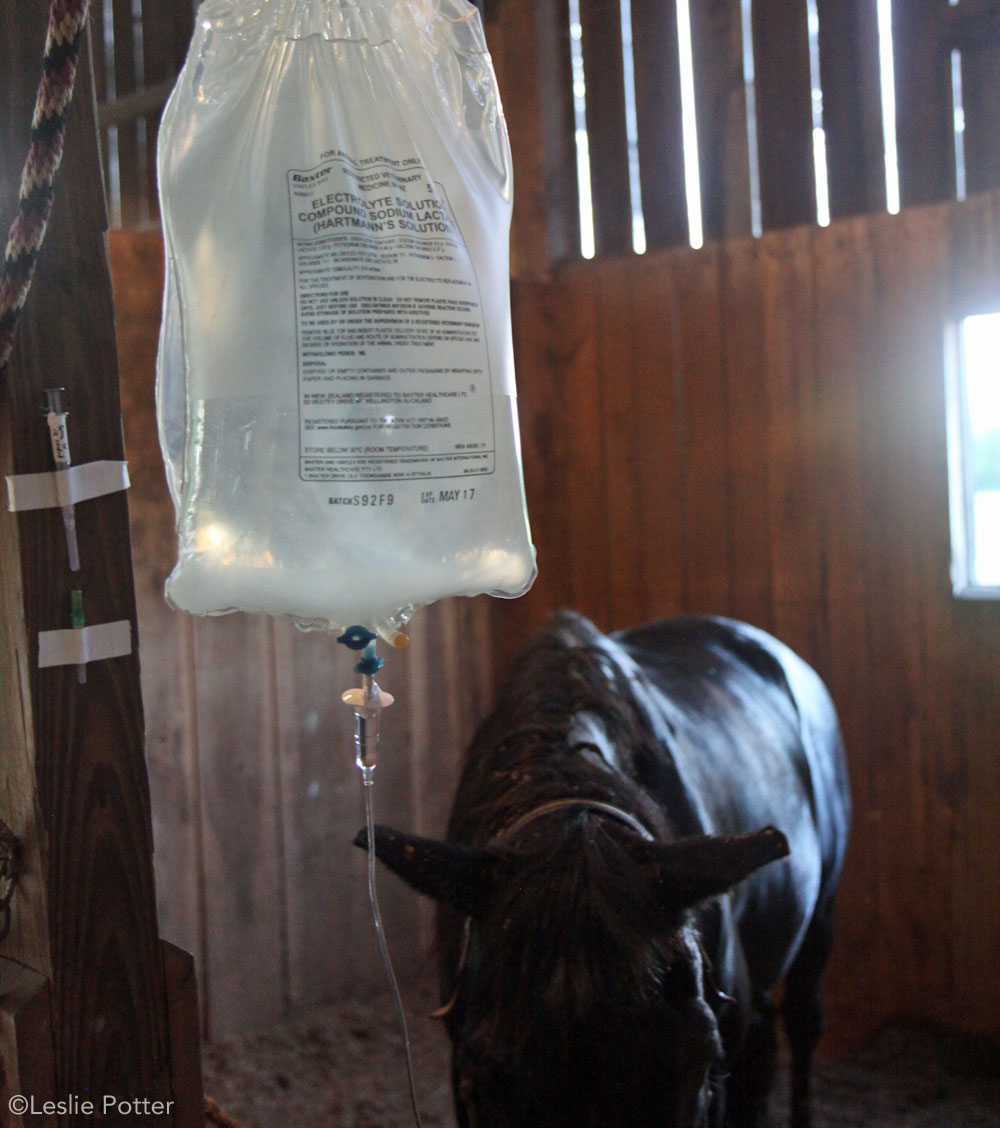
[{"x": 335, "y": 383}]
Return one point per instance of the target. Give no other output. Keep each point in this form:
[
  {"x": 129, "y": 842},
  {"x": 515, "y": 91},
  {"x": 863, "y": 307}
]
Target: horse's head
[{"x": 581, "y": 995}]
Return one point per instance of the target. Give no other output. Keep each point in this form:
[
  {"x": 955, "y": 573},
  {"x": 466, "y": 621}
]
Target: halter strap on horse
[{"x": 586, "y": 804}]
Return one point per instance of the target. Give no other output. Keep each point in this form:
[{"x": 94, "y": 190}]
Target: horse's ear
[
  {"x": 459, "y": 876},
  {"x": 692, "y": 870}
]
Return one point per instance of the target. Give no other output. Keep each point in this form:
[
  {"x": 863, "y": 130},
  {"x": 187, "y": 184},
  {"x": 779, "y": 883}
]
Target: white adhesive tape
[
  {"x": 86, "y": 644},
  {"x": 59, "y": 488}
]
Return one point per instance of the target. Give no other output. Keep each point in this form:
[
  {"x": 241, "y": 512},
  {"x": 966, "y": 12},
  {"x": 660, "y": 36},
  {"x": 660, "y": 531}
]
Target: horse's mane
[{"x": 521, "y": 755}]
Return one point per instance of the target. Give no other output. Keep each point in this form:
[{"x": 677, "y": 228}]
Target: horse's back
[
  {"x": 738, "y": 678},
  {"x": 753, "y": 739}
]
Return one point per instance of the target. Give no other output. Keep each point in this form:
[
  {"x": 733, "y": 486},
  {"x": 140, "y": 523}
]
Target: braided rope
[{"x": 67, "y": 20}]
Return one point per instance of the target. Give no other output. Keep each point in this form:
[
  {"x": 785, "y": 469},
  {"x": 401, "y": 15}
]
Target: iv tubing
[
  {"x": 367, "y": 703},
  {"x": 367, "y": 774}
]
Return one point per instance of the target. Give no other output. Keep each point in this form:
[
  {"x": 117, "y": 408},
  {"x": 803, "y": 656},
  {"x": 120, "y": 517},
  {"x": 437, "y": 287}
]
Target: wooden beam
[
  {"x": 658, "y": 122},
  {"x": 981, "y": 110},
  {"x": 784, "y": 113},
  {"x": 603, "y": 67},
  {"x": 559, "y": 189},
  {"x": 131, "y": 168},
  {"x": 72, "y": 778},
  {"x": 721, "y": 108},
  {"x": 925, "y": 124},
  {"x": 852, "y": 107},
  {"x": 529, "y": 45}
]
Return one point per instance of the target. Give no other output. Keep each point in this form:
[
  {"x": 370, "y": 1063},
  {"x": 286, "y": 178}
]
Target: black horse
[{"x": 611, "y": 926}]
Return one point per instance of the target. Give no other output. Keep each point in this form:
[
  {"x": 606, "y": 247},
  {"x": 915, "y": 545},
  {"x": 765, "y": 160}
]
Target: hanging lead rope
[{"x": 67, "y": 20}]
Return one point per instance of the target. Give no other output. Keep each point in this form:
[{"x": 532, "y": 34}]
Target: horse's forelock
[
  {"x": 576, "y": 928},
  {"x": 575, "y": 968}
]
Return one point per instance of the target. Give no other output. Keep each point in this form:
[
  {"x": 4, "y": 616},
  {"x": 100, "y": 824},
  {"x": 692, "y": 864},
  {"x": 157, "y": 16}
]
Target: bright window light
[
  {"x": 689, "y": 128},
  {"x": 888, "y": 83},
  {"x": 973, "y": 372},
  {"x": 956, "y": 94},
  {"x": 750, "y": 89},
  {"x": 632, "y": 131},
  {"x": 580, "y": 119},
  {"x": 818, "y": 133}
]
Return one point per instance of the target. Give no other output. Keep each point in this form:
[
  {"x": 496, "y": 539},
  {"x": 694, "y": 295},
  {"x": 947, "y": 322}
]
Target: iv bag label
[{"x": 393, "y": 367}]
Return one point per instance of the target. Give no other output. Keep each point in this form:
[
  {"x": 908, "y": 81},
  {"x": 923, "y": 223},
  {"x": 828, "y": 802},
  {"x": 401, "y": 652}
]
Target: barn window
[{"x": 973, "y": 387}]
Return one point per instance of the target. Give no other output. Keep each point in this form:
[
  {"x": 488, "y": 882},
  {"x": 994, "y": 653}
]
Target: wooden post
[
  {"x": 86, "y": 1009},
  {"x": 783, "y": 88}
]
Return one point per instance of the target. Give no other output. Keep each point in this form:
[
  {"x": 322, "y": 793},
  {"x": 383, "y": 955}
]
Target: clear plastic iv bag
[{"x": 335, "y": 383}]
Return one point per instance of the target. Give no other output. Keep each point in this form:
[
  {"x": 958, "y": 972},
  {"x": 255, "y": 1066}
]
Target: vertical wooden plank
[
  {"x": 474, "y": 622},
  {"x": 981, "y": 110},
  {"x": 511, "y": 621},
  {"x": 701, "y": 382},
  {"x": 158, "y": 54},
  {"x": 243, "y": 844},
  {"x": 97, "y": 29},
  {"x": 660, "y": 527},
  {"x": 131, "y": 164},
  {"x": 560, "y": 188},
  {"x": 927, "y": 500},
  {"x": 606, "y": 136},
  {"x": 894, "y": 653},
  {"x": 445, "y": 664},
  {"x": 852, "y": 107},
  {"x": 656, "y": 64},
  {"x": 185, "y": 1037},
  {"x": 908, "y": 354},
  {"x": 183, "y": 13},
  {"x": 104, "y": 1019},
  {"x": 969, "y": 781},
  {"x": 721, "y": 109},
  {"x": 965, "y": 770},
  {"x": 533, "y": 101},
  {"x": 583, "y": 489},
  {"x": 543, "y": 354},
  {"x": 530, "y": 45},
  {"x": 925, "y": 127},
  {"x": 397, "y": 800},
  {"x": 429, "y": 665},
  {"x": 322, "y": 808},
  {"x": 846, "y": 297},
  {"x": 622, "y": 463},
  {"x": 789, "y": 317},
  {"x": 745, "y": 363},
  {"x": 784, "y": 113}
]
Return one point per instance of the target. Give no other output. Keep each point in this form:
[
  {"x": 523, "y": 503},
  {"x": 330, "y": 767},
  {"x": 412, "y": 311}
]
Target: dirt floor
[{"x": 342, "y": 1066}]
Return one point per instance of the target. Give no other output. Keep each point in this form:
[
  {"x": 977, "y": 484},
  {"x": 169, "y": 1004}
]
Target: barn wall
[
  {"x": 757, "y": 429},
  {"x": 255, "y": 793}
]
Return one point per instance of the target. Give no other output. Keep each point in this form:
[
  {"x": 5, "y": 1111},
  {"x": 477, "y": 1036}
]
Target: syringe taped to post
[{"x": 56, "y": 419}]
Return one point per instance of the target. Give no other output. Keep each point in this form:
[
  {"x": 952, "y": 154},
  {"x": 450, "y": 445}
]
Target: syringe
[{"x": 56, "y": 418}]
